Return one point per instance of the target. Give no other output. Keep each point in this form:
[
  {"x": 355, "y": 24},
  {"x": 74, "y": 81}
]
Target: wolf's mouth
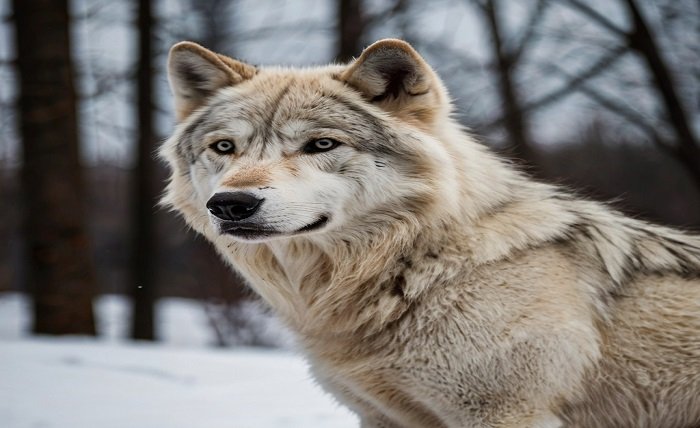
[
  {"x": 315, "y": 225},
  {"x": 252, "y": 231}
]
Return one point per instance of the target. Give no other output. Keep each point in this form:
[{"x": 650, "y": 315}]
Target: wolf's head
[{"x": 270, "y": 153}]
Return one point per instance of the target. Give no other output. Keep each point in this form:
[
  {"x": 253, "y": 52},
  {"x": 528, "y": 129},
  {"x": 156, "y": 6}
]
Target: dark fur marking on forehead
[
  {"x": 275, "y": 104},
  {"x": 185, "y": 145},
  {"x": 278, "y": 100},
  {"x": 387, "y": 144},
  {"x": 374, "y": 125},
  {"x": 369, "y": 119}
]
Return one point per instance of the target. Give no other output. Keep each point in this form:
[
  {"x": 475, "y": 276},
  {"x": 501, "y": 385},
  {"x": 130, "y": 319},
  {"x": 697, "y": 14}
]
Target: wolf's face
[{"x": 261, "y": 154}]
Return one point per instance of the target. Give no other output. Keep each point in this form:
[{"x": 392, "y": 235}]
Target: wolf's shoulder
[
  {"x": 619, "y": 245},
  {"x": 626, "y": 246}
]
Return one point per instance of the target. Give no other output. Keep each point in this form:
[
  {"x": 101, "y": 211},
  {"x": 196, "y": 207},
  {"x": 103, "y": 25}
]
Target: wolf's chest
[{"x": 380, "y": 387}]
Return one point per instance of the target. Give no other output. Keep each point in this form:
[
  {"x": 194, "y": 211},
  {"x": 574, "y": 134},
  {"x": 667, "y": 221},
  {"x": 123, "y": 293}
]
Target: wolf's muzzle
[{"x": 233, "y": 206}]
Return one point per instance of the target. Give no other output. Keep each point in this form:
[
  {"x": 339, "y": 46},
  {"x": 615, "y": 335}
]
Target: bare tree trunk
[
  {"x": 514, "y": 120},
  {"x": 59, "y": 272},
  {"x": 351, "y": 27},
  {"x": 144, "y": 194},
  {"x": 641, "y": 40}
]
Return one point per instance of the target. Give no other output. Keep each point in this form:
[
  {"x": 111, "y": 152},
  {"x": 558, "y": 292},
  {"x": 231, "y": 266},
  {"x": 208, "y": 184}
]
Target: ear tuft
[
  {"x": 195, "y": 73},
  {"x": 389, "y": 69}
]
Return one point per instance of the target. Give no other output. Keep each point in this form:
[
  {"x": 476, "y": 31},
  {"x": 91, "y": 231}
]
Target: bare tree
[
  {"x": 144, "y": 193},
  {"x": 59, "y": 272},
  {"x": 640, "y": 40},
  {"x": 505, "y": 63},
  {"x": 351, "y": 28}
]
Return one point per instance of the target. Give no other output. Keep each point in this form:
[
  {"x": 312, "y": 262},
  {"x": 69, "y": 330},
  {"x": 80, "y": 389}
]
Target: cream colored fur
[{"x": 447, "y": 289}]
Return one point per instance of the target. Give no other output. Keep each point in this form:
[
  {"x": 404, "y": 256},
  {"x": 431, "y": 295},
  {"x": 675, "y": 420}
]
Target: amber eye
[
  {"x": 223, "y": 147},
  {"x": 321, "y": 145}
]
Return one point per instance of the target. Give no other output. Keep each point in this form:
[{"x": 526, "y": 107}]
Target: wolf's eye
[
  {"x": 223, "y": 147},
  {"x": 321, "y": 145}
]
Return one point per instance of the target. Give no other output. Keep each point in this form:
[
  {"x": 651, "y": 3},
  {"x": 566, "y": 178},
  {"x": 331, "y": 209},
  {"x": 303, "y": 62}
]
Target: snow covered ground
[{"x": 180, "y": 382}]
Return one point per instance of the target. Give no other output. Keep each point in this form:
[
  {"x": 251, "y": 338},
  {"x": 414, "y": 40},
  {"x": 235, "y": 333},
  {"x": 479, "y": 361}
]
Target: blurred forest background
[{"x": 600, "y": 95}]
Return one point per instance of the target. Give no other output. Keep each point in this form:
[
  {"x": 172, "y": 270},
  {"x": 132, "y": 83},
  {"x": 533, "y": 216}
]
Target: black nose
[{"x": 233, "y": 206}]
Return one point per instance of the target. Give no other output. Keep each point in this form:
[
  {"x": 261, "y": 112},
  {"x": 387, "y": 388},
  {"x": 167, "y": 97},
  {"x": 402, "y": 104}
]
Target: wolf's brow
[
  {"x": 353, "y": 107},
  {"x": 276, "y": 103},
  {"x": 372, "y": 123}
]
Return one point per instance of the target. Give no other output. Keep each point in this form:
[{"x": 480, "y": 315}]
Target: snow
[
  {"x": 80, "y": 382},
  {"x": 180, "y": 322}
]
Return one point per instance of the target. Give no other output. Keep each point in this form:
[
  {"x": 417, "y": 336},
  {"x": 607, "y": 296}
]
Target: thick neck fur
[{"x": 347, "y": 283}]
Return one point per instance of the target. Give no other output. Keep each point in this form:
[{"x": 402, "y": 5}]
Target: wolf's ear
[
  {"x": 195, "y": 73},
  {"x": 391, "y": 74}
]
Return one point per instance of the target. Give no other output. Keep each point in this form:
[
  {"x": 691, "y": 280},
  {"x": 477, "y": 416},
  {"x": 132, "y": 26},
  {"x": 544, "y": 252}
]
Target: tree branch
[
  {"x": 535, "y": 18},
  {"x": 642, "y": 41},
  {"x": 630, "y": 115},
  {"x": 568, "y": 88},
  {"x": 595, "y": 16}
]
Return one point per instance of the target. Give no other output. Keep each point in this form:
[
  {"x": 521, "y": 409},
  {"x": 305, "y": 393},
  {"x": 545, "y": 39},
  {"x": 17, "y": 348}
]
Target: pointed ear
[
  {"x": 391, "y": 74},
  {"x": 195, "y": 73}
]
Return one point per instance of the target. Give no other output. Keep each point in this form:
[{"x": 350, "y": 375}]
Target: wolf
[{"x": 430, "y": 282}]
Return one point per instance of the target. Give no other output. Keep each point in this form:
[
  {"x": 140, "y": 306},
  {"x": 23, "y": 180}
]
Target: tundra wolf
[{"x": 431, "y": 284}]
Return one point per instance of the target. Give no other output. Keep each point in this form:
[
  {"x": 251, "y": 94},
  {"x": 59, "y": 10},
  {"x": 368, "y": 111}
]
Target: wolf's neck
[{"x": 345, "y": 284}]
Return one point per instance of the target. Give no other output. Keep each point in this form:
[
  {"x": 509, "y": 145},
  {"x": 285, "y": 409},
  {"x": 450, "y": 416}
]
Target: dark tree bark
[
  {"x": 514, "y": 119},
  {"x": 351, "y": 27},
  {"x": 144, "y": 193},
  {"x": 58, "y": 272},
  {"x": 642, "y": 41}
]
